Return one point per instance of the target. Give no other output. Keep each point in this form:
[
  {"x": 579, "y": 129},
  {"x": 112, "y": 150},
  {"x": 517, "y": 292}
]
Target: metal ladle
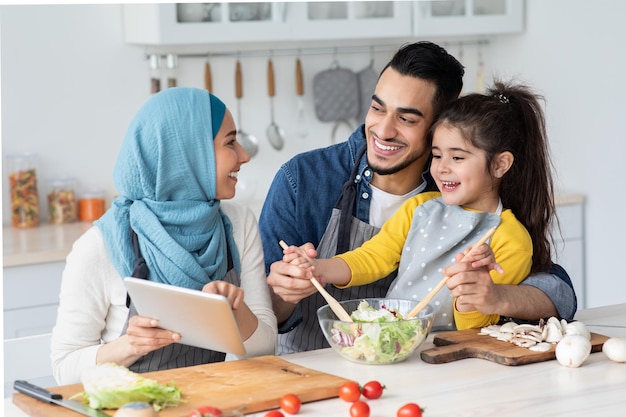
[
  {"x": 275, "y": 134},
  {"x": 248, "y": 142}
]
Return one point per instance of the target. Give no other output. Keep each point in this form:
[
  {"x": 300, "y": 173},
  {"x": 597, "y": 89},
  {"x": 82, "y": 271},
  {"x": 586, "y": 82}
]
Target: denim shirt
[{"x": 304, "y": 191}]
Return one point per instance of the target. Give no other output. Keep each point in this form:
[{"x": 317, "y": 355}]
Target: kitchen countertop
[
  {"x": 476, "y": 387},
  {"x": 52, "y": 243},
  {"x": 42, "y": 244}
]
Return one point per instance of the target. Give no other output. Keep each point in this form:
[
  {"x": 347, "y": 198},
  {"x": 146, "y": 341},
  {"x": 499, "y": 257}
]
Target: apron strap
[
  {"x": 345, "y": 204},
  {"x": 140, "y": 270}
]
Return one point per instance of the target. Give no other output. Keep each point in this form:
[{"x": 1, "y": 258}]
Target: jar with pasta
[
  {"x": 23, "y": 189},
  {"x": 62, "y": 202}
]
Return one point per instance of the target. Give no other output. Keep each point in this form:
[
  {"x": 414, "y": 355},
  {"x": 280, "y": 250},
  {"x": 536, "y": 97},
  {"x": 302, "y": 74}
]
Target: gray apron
[
  {"x": 344, "y": 232},
  {"x": 437, "y": 233},
  {"x": 175, "y": 355}
]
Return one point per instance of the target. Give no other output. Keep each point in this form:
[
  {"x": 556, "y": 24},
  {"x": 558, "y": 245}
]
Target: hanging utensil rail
[{"x": 367, "y": 49}]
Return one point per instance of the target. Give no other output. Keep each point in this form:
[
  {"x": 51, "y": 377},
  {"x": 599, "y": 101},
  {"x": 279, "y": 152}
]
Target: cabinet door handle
[{"x": 285, "y": 6}]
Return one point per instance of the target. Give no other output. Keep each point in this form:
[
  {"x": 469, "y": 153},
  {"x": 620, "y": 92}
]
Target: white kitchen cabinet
[
  {"x": 350, "y": 19},
  {"x": 467, "y": 17},
  {"x": 27, "y": 358},
  {"x": 570, "y": 245},
  {"x": 229, "y": 22},
  {"x": 205, "y": 23},
  {"x": 31, "y": 298}
]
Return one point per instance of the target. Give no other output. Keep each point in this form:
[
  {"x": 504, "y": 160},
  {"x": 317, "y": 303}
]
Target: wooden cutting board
[
  {"x": 462, "y": 344},
  {"x": 256, "y": 384}
]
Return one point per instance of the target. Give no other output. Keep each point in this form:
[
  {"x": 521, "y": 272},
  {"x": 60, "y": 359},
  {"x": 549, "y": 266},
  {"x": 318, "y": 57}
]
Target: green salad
[{"x": 374, "y": 343}]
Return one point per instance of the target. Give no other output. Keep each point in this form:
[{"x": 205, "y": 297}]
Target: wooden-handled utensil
[
  {"x": 208, "y": 80},
  {"x": 337, "y": 308},
  {"x": 249, "y": 142},
  {"x": 299, "y": 78},
  {"x": 302, "y": 129},
  {"x": 420, "y": 306},
  {"x": 275, "y": 133}
]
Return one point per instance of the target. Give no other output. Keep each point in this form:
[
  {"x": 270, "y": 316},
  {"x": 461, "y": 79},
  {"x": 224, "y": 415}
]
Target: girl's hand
[
  {"x": 482, "y": 256},
  {"x": 228, "y": 290},
  {"x": 302, "y": 256}
]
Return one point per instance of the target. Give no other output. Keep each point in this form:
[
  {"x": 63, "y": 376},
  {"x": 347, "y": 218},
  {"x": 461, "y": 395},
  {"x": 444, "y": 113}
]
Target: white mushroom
[
  {"x": 525, "y": 328},
  {"x": 508, "y": 327},
  {"x": 579, "y": 328},
  {"x": 536, "y": 337},
  {"x": 541, "y": 347},
  {"x": 573, "y": 350},
  {"x": 490, "y": 329},
  {"x": 552, "y": 332},
  {"x": 615, "y": 349}
]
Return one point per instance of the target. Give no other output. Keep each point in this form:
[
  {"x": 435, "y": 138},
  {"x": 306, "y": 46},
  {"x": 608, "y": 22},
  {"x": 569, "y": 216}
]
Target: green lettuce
[
  {"x": 379, "y": 343},
  {"x": 109, "y": 385}
]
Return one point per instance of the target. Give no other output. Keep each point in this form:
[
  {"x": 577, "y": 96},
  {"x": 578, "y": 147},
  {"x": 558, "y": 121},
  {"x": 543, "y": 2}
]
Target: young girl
[{"x": 489, "y": 160}]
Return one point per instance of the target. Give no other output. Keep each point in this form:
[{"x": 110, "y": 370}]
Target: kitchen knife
[{"x": 44, "y": 395}]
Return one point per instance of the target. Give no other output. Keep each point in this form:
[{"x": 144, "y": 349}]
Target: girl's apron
[
  {"x": 175, "y": 355},
  {"x": 344, "y": 232}
]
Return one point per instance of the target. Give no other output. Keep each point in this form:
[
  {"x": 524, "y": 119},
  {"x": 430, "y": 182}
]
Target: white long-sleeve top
[{"x": 92, "y": 303}]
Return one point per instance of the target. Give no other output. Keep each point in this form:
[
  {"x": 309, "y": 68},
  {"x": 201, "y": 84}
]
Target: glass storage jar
[
  {"x": 23, "y": 189},
  {"x": 62, "y": 203},
  {"x": 91, "y": 205}
]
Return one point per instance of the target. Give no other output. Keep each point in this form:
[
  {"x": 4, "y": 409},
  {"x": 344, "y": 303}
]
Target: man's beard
[{"x": 396, "y": 168}]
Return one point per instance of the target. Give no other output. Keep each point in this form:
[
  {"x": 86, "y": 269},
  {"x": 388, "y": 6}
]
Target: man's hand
[
  {"x": 473, "y": 287},
  {"x": 290, "y": 284}
]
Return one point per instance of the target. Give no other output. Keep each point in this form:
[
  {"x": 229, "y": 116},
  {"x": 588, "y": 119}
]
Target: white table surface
[{"x": 476, "y": 387}]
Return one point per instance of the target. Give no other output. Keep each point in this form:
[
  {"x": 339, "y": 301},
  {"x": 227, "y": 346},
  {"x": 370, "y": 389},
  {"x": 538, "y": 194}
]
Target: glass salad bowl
[{"x": 378, "y": 334}]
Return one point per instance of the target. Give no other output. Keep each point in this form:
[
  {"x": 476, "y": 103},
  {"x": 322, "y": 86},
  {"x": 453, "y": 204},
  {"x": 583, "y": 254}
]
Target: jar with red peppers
[
  {"x": 23, "y": 189},
  {"x": 62, "y": 202}
]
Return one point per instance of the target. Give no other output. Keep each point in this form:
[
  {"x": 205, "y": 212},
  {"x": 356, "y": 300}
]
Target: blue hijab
[{"x": 166, "y": 179}]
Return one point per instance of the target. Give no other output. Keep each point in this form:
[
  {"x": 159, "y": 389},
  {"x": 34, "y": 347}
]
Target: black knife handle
[{"x": 34, "y": 391}]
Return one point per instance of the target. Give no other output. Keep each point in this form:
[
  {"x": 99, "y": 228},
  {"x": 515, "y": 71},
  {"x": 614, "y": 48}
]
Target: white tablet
[{"x": 203, "y": 320}]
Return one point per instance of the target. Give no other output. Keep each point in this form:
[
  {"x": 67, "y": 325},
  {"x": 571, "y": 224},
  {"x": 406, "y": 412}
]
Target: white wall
[
  {"x": 70, "y": 86},
  {"x": 573, "y": 52}
]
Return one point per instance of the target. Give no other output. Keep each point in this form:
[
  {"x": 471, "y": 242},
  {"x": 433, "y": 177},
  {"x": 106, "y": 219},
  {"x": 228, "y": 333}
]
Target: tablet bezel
[{"x": 180, "y": 309}]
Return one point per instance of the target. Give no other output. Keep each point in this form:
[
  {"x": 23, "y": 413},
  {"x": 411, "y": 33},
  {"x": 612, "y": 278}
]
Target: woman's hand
[
  {"x": 228, "y": 290},
  {"x": 145, "y": 335},
  {"x": 142, "y": 337},
  {"x": 245, "y": 318}
]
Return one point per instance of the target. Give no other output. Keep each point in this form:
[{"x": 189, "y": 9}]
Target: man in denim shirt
[{"x": 339, "y": 196}]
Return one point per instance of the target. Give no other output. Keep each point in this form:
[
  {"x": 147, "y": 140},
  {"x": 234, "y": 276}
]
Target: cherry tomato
[
  {"x": 206, "y": 411},
  {"x": 350, "y": 391},
  {"x": 373, "y": 390},
  {"x": 290, "y": 403},
  {"x": 359, "y": 409},
  {"x": 410, "y": 410},
  {"x": 274, "y": 413}
]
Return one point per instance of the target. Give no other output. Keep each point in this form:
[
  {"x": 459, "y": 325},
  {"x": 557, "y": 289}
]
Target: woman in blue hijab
[{"x": 178, "y": 162}]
